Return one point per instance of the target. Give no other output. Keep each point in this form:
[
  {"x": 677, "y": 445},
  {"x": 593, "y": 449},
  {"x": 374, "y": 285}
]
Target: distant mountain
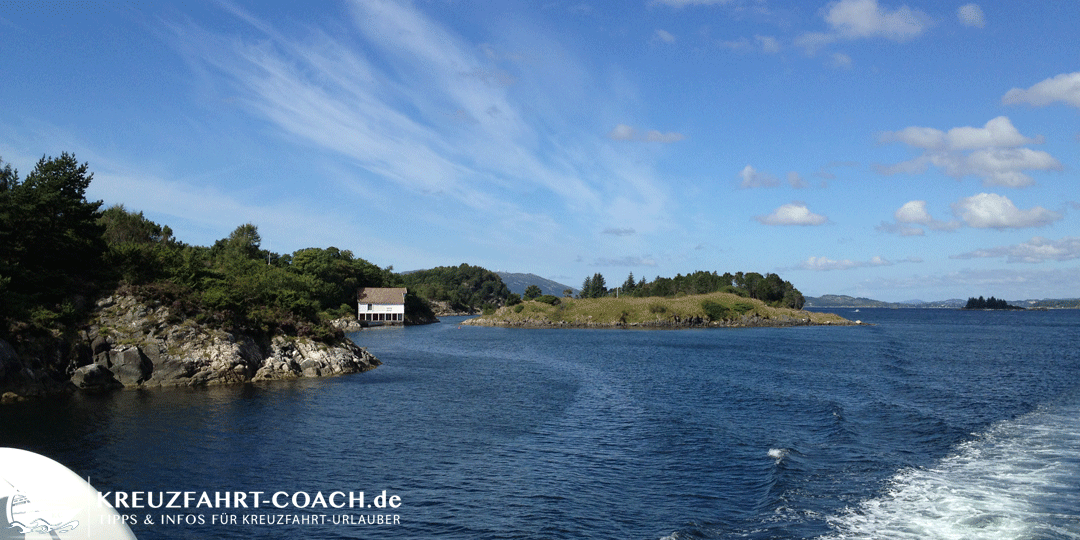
[
  {"x": 517, "y": 283},
  {"x": 844, "y": 301}
]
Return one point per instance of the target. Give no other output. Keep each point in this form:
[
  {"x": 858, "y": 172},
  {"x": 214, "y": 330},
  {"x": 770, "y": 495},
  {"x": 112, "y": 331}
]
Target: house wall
[{"x": 381, "y": 312}]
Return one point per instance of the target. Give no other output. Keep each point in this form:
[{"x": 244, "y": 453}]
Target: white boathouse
[{"x": 378, "y": 306}]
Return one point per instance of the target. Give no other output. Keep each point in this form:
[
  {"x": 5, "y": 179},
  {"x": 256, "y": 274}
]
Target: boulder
[
  {"x": 94, "y": 377},
  {"x": 129, "y": 365}
]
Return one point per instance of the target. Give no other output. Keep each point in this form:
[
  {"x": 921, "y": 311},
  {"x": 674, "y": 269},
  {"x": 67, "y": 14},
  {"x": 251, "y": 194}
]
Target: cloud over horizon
[{"x": 1036, "y": 250}]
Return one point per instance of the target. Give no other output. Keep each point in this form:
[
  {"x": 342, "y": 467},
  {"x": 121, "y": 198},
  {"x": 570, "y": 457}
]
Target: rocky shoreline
[{"x": 133, "y": 345}]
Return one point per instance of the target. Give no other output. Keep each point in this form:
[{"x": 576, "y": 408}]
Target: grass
[{"x": 726, "y": 309}]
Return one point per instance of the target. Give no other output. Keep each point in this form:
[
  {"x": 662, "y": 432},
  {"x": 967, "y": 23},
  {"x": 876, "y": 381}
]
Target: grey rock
[{"x": 94, "y": 377}]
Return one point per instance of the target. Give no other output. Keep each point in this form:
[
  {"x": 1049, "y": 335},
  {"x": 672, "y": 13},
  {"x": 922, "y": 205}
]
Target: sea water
[{"x": 927, "y": 424}]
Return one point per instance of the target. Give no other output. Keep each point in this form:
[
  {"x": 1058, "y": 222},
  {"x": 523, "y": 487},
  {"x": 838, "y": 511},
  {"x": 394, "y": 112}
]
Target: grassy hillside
[{"x": 715, "y": 309}]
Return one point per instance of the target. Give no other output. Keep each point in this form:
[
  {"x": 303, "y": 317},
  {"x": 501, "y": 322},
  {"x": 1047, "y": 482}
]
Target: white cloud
[
  {"x": 859, "y": 19},
  {"x": 971, "y": 15},
  {"x": 913, "y": 212},
  {"x": 795, "y": 213},
  {"x": 617, "y": 231},
  {"x": 912, "y": 217},
  {"x": 992, "y": 152},
  {"x": 865, "y": 18},
  {"x": 623, "y": 132},
  {"x": 1064, "y": 87},
  {"x": 998, "y": 132},
  {"x": 752, "y": 178},
  {"x": 664, "y": 35},
  {"x": 992, "y": 211},
  {"x": 1036, "y": 250},
  {"x": 826, "y": 264}
]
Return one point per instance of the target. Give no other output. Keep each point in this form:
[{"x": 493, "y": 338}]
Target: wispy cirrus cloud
[
  {"x": 432, "y": 114},
  {"x": 623, "y": 132}
]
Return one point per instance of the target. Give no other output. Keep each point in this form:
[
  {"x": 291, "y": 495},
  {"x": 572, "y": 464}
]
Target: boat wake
[{"x": 1020, "y": 479}]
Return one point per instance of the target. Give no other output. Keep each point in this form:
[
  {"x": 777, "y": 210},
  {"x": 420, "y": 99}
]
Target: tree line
[
  {"x": 464, "y": 287},
  {"x": 988, "y": 303},
  {"x": 60, "y": 252},
  {"x": 768, "y": 288}
]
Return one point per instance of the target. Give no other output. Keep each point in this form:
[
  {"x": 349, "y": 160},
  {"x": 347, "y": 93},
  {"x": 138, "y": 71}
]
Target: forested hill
[
  {"x": 464, "y": 287},
  {"x": 517, "y": 283}
]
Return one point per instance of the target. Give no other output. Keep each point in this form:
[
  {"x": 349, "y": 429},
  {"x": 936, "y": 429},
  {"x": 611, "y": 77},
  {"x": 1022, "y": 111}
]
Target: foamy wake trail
[
  {"x": 778, "y": 454},
  {"x": 1021, "y": 479}
]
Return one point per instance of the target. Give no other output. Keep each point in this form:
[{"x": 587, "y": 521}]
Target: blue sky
[{"x": 895, "y": 150}]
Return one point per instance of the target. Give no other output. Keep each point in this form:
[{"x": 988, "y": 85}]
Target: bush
[
  {"x": 519, "y": 308},
  {"x": 715, "y": 311},
  {"x": 719, "y": 312},
  {"x": 549, "y": 299}
]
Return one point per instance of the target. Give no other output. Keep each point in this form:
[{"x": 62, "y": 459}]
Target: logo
[{"x": 20, "y": 516}]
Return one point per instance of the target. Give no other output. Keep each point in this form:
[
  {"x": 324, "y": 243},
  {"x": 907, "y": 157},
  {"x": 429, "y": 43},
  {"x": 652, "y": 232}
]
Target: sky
[{"x": 886, "y": 149}]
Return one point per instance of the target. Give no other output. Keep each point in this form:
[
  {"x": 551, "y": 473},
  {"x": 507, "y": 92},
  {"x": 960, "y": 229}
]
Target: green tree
[
  {"x": 50, "y": 238},
  {"x": 531, "y": 292},
  {"x": 594, "y": 287}
]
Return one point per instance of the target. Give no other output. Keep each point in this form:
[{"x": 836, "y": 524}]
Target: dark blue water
[{"x": 930, "y": 424}]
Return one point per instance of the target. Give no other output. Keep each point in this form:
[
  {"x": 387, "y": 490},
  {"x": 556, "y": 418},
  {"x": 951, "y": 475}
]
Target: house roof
[{"x": 381, "y": 295}]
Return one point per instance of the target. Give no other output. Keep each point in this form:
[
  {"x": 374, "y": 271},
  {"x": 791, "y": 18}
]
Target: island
[{"x": 712, "y": 310}]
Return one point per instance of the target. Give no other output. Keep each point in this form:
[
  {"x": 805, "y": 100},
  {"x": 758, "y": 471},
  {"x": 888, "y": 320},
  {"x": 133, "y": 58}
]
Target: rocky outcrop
[
  {"x": 444, "y": 309},
  {"x": 130, "y": 344}
]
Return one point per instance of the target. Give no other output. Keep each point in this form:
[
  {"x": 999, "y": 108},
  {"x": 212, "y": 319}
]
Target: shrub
[
  {"x": 519, "y": 308},
  {"x": 549, "y": 299},
  {"x": 715, "y": 311}
]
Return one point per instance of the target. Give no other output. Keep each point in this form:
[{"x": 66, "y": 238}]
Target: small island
[
  {"x": 712, "y": 310},
  {"x": 989, "y": 303}
]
